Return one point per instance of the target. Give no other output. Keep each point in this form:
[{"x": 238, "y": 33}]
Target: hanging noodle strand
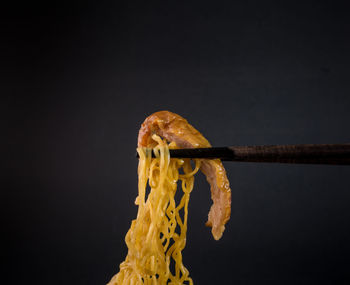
[{"x": 157, "y": 236}]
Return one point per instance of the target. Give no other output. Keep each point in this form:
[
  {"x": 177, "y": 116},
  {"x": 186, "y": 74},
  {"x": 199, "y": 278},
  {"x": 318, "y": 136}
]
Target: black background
[{"x": 78, "y": 79}]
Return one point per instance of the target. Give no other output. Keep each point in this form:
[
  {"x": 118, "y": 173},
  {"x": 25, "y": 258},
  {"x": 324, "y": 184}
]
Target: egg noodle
[{"x": 157, "y": 237}]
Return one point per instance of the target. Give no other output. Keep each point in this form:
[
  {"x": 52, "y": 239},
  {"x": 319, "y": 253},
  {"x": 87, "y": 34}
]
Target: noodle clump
[{"x": 157, "y": 236}]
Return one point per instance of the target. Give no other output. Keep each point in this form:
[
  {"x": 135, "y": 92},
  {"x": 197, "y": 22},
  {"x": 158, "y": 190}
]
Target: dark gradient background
[{"x": 78, "y": 79}]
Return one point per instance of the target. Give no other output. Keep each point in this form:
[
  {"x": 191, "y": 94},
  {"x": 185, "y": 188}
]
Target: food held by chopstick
[{"x": 157, "y": 236}]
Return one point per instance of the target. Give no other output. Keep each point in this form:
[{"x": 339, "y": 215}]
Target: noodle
[{"x": 157, "y": 237}]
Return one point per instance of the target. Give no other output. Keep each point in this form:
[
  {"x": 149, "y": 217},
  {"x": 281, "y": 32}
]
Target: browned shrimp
[{"x": 173, "y": 127}]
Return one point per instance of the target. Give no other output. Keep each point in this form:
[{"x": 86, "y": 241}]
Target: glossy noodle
[{"x": 157, "y": 236}]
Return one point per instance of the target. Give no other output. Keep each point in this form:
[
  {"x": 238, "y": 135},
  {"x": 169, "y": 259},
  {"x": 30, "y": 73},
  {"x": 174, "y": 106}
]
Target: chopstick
[{"x": 335, "y": 154}]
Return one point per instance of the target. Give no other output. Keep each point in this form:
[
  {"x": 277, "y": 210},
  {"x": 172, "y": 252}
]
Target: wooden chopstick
[{"x": 336, "y": 154}]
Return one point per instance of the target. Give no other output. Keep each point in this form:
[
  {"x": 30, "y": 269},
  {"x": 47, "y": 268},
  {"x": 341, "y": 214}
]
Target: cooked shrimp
[{"x": 176, "y": 129}]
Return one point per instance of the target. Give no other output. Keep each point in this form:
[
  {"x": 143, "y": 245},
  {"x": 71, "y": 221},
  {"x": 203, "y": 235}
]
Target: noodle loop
[{"x": 158, "y": 235}]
